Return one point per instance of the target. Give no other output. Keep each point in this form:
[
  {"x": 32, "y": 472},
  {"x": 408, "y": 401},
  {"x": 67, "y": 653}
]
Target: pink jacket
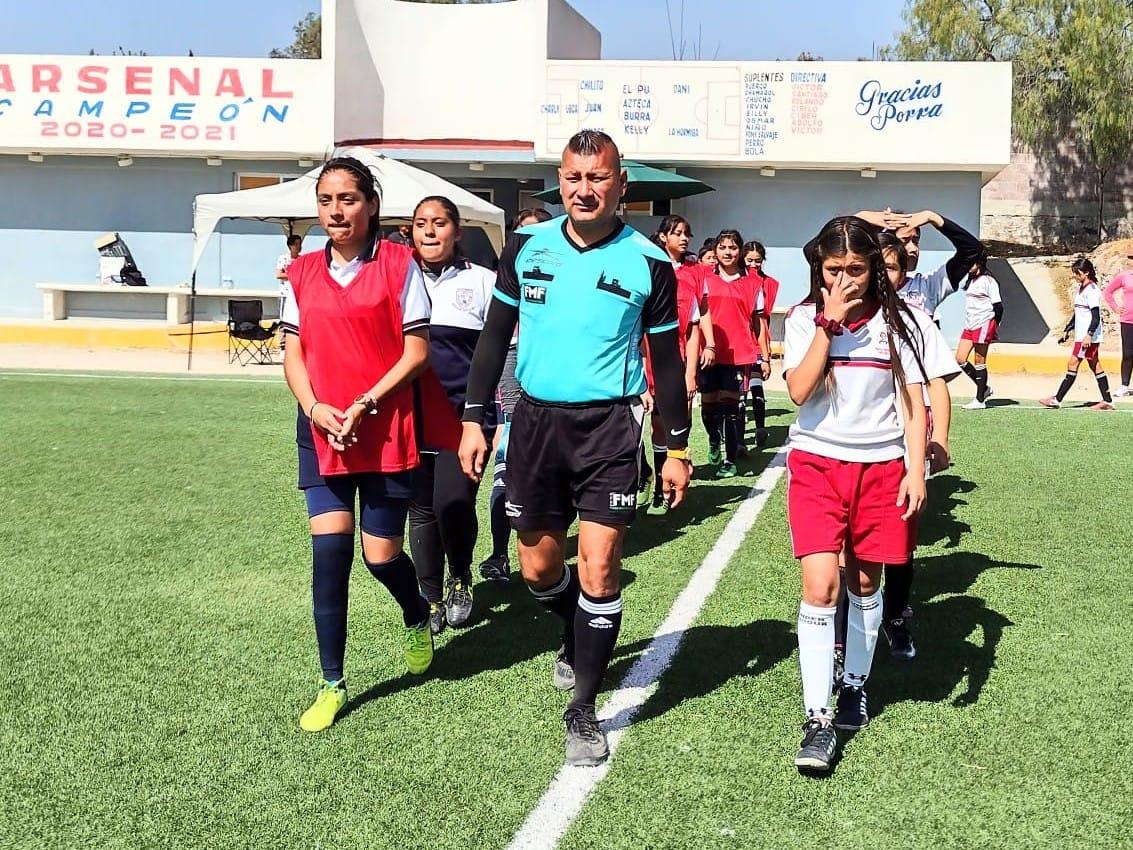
[{"x": 1123, "y": 282}]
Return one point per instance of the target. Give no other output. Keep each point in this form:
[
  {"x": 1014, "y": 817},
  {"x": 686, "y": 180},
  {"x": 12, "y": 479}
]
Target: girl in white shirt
[
  {"x": 983, "y": 311},
  {"x": 852, "y": 354}
]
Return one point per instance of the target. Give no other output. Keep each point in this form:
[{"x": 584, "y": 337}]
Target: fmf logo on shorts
[
  {"x": 534, "y": 294},
  {"x": 622, "y": 501}
]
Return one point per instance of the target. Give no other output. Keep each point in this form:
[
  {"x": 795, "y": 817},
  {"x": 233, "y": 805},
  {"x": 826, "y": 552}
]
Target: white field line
[{"x": 571, "y": 787}]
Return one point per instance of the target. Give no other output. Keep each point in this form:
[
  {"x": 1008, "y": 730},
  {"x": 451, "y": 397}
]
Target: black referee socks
[
  {"x": 400, "y": 579},
  {"x": 597, "y": 621},
  {"x": 331, "y": 557},
  {"x": 561, "y": 600}
]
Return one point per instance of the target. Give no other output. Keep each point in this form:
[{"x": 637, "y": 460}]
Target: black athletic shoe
[
  {"x": 839, "y": 668},
  {"x": 901, "y": 646},
  {"x": 658, "y": 496},
  {"x": 762, "y": 435},
  {"x": 458, "y": 601},
  {"x": 819, "y": 744},
  {"x": 437, "y": 620},
  {"x": 585, "y": 740},
  {"x": 851, "y": 712},
  {"x": 496, "y": 568},
  {"x": 562, "y": 677}
]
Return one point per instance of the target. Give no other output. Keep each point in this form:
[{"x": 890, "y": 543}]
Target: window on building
[{"x": 255, "y": 180}]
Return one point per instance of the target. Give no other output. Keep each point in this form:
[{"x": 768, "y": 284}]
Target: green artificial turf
[{"x": 157, "y": 647}]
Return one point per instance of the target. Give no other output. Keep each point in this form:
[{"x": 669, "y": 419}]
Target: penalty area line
[{"x": 561, "y": 804}]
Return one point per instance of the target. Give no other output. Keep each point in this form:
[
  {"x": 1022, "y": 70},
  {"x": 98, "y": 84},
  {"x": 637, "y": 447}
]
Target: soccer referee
[{"x": 585, "y": 288}]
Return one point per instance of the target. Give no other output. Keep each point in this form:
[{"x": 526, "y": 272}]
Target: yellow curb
[
  {"x": 1051, "y": 365},
  {"x": 209, "y": 336}
]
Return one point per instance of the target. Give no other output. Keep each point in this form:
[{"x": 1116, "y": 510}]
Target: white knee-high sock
[
  {"x": 816, "y": 657},
  {"x": 862, "y": 623}
]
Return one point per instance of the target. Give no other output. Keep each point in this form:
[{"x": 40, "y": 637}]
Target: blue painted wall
[{"x": 51, "y": 212}]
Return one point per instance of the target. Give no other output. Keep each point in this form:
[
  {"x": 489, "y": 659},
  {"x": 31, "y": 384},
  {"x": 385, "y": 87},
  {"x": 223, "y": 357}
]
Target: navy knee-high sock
[
  {"x": 501, "y": 527},
  {"x": 981, "y": 382},
  {"x": 759, "y": 406},
  {"x": 841, "y": 612},
  {"x": 732, "y": 432},
  {"x": 331, "y": 557},
  {"x": 970, "y": 371},
  {"x": 1103, "y": 387},
  {"x": 597, "y": 621},
  {"x": 1067, "y": 383},
  {"x": 400, "y": 579},
  {"x": 711, "y": 414},
  {"x": 898, "y": 590}
]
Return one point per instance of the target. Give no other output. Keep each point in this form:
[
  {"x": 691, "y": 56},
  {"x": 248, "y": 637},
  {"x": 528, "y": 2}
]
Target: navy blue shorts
[{"x": 382, "y": 498}]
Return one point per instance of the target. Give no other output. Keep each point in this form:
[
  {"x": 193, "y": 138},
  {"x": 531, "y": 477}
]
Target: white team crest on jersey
[
  {"x": 883, "y": 342},
  {"x": 465, "y": 300}
]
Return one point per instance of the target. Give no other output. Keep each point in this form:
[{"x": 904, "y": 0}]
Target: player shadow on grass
[
  {"x": 508, "y": 628},
  {"x": 949, "y": 654},
  {"x": 939, "y": 522},
  {"x": 708, "y": 658}
]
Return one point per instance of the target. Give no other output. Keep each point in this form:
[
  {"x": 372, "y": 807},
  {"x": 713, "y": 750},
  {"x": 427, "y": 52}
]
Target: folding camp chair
[{"x": 248, "y": 340}]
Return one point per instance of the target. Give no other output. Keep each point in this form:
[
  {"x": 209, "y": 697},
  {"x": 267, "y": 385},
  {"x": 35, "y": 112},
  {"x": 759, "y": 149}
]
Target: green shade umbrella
[{"x": 646, "y": 183}]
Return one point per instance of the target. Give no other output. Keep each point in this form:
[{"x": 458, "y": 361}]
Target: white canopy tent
[{"x": 293, "y": 203}]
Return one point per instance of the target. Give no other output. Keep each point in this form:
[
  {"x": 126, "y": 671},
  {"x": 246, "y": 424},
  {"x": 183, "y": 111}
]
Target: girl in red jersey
[
  {"x": 754, "y": 255},
  {"x": 673, "y": 235},
  {"x": 852, "y": 361},
  {"x": 358, "y": 315},
  {"x": 736, "y": 304}
]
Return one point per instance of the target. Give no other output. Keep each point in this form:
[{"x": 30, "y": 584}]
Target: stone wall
[{"x": 1049, "y": 200}]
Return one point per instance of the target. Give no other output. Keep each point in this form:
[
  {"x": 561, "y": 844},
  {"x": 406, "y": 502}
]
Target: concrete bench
[{"x": 171, "y": 303}]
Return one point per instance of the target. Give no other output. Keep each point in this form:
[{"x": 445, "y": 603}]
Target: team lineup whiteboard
[{"x": 901, "y": 115}]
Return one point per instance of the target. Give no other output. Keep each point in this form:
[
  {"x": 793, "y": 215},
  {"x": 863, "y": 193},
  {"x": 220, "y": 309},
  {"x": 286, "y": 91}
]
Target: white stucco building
[{"x": 485, "y": 96}]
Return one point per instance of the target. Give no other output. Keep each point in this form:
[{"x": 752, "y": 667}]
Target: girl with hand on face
[
  {"x": 736, "y": 305},
  {"x": 442, "y": 514},
  {"x": 357, "y": 315},
  {"x": 853, "y": 363}
]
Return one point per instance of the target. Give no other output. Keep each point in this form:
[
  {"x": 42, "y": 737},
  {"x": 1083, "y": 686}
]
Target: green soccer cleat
[
  {"x": 727, "y": 470},
  {"x": 418, "y": 648},
  {"x": 714, "y": 454},
  {"x": 329, "y": 701}
]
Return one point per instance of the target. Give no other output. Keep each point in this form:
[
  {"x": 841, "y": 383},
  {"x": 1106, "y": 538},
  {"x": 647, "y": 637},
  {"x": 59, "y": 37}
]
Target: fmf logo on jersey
[
  {"x": 534, "y": 294},
  {"x": 622, "y": 501}
]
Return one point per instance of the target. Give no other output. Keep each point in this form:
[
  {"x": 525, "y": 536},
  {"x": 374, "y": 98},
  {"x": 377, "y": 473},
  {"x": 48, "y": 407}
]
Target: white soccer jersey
[
  {"x": 980, "y": 297},
  {"x": 1085, "y": 300},
  {"x": 926, "y": 292},
  {"x": 415, "y": 306},
  {"x": 852, "y": 414}
]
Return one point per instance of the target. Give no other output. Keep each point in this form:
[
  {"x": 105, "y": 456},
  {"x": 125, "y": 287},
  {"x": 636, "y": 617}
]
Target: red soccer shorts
[
  {"x": 1086, "y": 351},
  {"x": 835, "y": 504},
  {"x": 982, "y": 334}
]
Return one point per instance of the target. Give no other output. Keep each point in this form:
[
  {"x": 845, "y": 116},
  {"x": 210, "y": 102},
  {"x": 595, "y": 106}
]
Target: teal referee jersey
[{"x": 584, "y": 310}]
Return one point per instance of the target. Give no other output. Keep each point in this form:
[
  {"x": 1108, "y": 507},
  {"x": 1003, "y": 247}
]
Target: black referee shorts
[
  {"x": 564, "y": 460},
  {"x": 720, "y": 378}
]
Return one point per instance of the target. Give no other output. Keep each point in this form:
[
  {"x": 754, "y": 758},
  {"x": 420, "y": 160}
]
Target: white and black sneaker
[
  {"x": 819, "y": 744},
  {"x": 851, "y": 712},
  {"x": 901, "y": 645},
  {"x": 585, "y": 740},
  {"x": 562, "y": 677}
]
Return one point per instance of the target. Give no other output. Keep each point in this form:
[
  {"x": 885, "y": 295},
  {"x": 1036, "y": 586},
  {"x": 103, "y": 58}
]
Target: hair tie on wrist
[{"x": 832, "y": 326}]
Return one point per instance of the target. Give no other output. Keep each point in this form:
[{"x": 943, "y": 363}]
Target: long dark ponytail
[{"x": 852, "y": 235}]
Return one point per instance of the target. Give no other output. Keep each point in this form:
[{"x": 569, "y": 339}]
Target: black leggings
[
  {"x": 1126, "y": 353},
  {"x": 442, "y": 521}
]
